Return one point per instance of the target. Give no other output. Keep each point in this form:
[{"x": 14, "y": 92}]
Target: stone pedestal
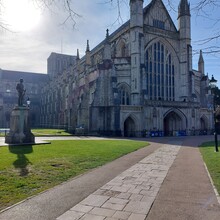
[{"x": 20, "y": 131}]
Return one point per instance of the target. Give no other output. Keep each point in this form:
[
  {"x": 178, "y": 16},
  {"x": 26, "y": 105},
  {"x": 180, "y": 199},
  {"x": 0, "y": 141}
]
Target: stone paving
[{"x": 129, "y": 195}]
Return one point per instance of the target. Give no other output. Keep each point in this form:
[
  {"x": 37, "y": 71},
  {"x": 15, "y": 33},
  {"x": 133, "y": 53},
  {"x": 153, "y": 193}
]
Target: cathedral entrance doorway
[
  {"x": 129, "y": 127},
  {"x": 203, "y": 125},
  {"x": 174, "y": 124}
]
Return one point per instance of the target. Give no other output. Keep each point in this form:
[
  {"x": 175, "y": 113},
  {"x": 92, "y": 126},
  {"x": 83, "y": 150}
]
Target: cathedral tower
[
  {"x": 184, "y": 19},
  {"x": 136, "y": 47}
]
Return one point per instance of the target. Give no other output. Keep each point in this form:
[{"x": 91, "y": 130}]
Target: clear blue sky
[{"x": 37, "y": 33}]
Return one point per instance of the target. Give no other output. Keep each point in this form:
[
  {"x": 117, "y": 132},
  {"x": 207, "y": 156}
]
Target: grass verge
[
  {"x": 212, "y": 160},
  {"x": 46, "y": 132},
  {"x": 28, "y": 170}
]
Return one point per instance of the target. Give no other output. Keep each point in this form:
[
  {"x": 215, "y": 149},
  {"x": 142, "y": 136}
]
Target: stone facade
[{"x": 138, "y": 81}]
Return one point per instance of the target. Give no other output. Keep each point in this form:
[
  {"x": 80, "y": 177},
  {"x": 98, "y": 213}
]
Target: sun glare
[{"x": 21, "y": 15}]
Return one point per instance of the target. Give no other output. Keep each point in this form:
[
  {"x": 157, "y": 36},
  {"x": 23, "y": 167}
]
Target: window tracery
[
  {"x": 160, "y": 73},
  {"x": 124, "y": 95}
]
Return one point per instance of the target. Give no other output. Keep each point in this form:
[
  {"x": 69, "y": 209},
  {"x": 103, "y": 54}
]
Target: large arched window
[
  {"x": 124, "y": 95},
  {"x": 160, "y": 72}
]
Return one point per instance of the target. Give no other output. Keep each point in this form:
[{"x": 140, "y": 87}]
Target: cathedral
[{"x": 137, "y": 82}]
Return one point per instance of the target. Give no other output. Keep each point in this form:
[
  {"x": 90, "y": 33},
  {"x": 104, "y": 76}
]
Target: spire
[
  {"x": 77, "y": 54},
  {"x": 201, "y": 66},
  {"x": 107, "y": 37},
  {"x": 88, "y": 57},
  {"x": 77, "y": 61},
  {"x": 87, "y": 46},
  {"x": 201, "y": 60},
  {"x": 184, "y": 8},
  {"x": 107, "y": 47},
  {"x": 107, "y": 34}
]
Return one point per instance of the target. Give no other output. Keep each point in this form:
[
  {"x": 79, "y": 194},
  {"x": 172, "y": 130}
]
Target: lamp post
[
  {"x": 28, "y": 102},
  {"x": 213, "y": 82}
]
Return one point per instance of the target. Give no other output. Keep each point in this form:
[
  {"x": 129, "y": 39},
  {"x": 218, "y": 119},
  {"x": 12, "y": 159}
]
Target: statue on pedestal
[
  {"x": 21, "y": 92},
  {"x": 20, "y": 130}
]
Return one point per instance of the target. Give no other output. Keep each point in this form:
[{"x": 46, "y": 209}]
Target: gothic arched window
[
  {"x": 121, "y": 49},
  {"x": 160, "y": 72},
  {"x": 124, "y": 95}
]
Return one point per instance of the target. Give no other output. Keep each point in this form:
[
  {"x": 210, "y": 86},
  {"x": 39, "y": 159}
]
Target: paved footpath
[
  {"x": 166, "y": 181},
  {"x": 186, "y": 193},
  {"x": 131, "y": 194}
]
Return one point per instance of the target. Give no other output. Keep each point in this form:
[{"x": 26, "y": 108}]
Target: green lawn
[
  {"x": 212, "y": 160},
  {"x": 46, "y": 132},
  {"x": 28, "y": 170}
]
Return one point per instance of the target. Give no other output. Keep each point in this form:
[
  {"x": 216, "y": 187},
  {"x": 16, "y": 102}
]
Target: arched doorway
[
  {"x": 129, "y": 127},
  {"x": 203, "y": 125},
  {"x": 173, "y": 123}
]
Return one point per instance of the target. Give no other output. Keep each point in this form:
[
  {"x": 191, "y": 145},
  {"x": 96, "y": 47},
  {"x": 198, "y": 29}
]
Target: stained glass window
[{"x": 160, "y": 73}]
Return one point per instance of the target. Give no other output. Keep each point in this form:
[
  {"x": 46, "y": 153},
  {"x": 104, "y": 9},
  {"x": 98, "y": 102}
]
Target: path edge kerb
[{"x": 214, "y": 188}]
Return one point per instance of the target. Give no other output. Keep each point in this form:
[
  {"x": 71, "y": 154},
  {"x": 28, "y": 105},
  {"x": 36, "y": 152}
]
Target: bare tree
[
  {"x": 67, "y": 6},
  {"x": 200, "y": 8},
  {"x": 205, "y": 9},
  {"x": 53, "y": 5}
]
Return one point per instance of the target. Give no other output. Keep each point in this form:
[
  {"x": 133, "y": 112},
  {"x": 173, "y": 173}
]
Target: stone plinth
[{"x": 20, "y": 131}]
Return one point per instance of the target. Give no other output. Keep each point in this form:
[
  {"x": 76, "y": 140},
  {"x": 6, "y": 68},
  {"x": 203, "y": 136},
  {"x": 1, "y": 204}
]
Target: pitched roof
[
  {"x": 29, "y": 77},
  {"x": 152, "y": 3}
]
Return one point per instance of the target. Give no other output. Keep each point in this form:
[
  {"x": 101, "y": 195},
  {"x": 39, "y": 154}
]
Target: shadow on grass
[{"x": 22, "y": 161}]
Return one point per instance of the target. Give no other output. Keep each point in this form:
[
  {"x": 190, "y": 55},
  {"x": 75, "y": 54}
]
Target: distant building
[
  {"x": 138, "y": 81},
  {"x": 33, "y": 82},
  {"x": 56, "y": 63}
]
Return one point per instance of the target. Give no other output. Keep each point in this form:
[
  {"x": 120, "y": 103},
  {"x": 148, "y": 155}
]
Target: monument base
[{"x": 20, "y": 131}]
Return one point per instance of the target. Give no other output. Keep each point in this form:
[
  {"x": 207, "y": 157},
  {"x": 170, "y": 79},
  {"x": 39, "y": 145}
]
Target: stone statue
[
  {"x": 20, "y": 130},
  {"x": 21, "y": 92}
]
